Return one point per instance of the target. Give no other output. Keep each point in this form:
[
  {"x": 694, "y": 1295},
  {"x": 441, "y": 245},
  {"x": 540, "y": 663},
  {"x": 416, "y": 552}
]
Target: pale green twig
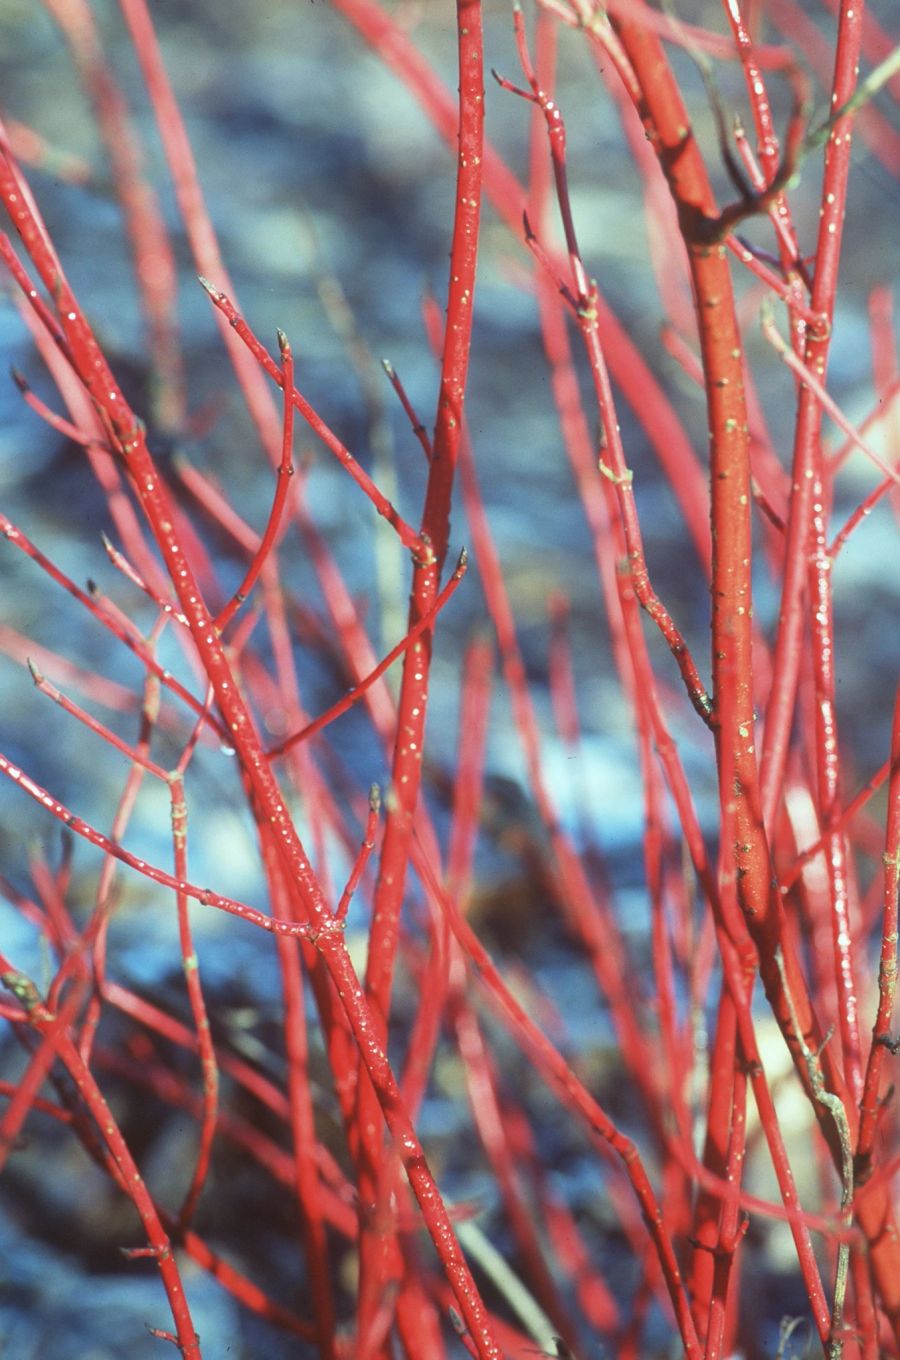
[{"x": 835, "y": 1105}]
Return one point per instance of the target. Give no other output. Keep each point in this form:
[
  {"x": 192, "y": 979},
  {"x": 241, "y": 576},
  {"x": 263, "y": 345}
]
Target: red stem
[
  {"x": 36, "y": 1014},
  {"x": 806, "y": 469},
  {"x": 282, "y": 483},
  {"x": 427, "y": 566}
]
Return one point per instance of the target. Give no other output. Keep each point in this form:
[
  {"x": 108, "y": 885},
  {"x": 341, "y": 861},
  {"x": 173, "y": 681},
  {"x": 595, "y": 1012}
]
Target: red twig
[
  {"x": 424, "y": 624},
  {"x": 428, "y": 564},
  {"x": 47, "y": 1024},
  {"x": 223, "y": 303},
  {"x": 282, "y": 485}
]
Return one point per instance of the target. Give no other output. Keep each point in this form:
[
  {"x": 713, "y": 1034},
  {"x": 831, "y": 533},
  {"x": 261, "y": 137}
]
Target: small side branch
[{"x": 408, "y": 536}]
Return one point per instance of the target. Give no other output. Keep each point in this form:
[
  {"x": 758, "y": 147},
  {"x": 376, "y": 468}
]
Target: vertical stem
[
  {"x": 406, "y": 771},
  {"x": 406, "y": 768},
  {"x": 302, "y": 1120},
  {"x": 191, "y": 966},
  {"x": 828, "y": 770},
  {"x": 720, "y": 1106},
  {"x": 807, "y": 457},
  {"x": 887, "y": 970}
]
